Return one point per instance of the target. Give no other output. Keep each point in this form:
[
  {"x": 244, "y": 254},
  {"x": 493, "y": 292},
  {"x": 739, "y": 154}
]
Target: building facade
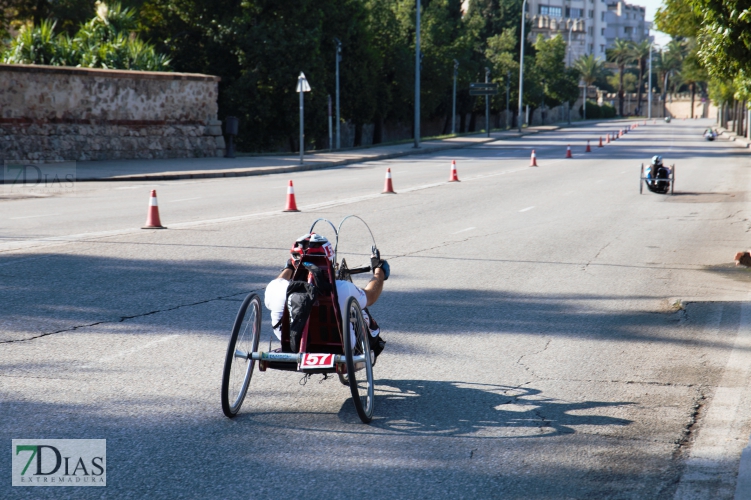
[{"x": 587, "y": 26}]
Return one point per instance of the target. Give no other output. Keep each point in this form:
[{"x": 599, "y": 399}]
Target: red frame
[{"x": 323, "y": 330}]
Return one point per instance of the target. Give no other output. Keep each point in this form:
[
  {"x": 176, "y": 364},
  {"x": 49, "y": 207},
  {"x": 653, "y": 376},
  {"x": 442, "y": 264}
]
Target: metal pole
[
  {"x": 508, "y": 87},
  {"x": 331, "y": 144},
  {"x": 338, "y": 120},
  {"x": 569, "y": 43},
  {"x": 649, "y": 85},
  {"x": 302, "y": 135},
  {"x": 542, "y": 111},
  {"x": 487, "y": 103},
  {"x": 417, "y": 77},
  {"x": 521, "y": 65},
  {"x": 453, "y": 108},
  {"x": 584, "y": 101}
]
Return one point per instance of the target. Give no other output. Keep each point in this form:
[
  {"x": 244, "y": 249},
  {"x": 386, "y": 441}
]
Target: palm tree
[
  {"x": 640, "y": 53},
  {"x": 667, "y": 63},
  {"x": 621, "y": 55},
  {"x": 590, "y": 70}
]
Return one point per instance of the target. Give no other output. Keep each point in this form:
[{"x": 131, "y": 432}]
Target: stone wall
[{"x": 52, "y": 113}]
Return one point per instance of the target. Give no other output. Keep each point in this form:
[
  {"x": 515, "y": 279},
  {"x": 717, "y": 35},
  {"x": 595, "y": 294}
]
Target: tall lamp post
[
  {"x": 338, "y": 60},
  {"x": 302, "y": 87},
  {"x": 568, "y": 56},
  {"x": 649, "y": 84},
  {"x": 508, "y": 87},
  {"x": 487, "y": 103},
  {"x": 521, "y": 64},
  {"x": 453, "y": 108},
  {"x": 417, "y": 75}
]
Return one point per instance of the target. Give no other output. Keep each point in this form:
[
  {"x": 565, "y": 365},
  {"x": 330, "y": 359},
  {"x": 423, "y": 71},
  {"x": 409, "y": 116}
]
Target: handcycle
[
  {"x": 663, "y": 180},
  {"x": 332, "y": 341}
]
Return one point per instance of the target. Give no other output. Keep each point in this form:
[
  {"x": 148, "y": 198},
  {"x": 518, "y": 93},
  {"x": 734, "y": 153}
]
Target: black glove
[
  {"x": 375, "y": 259},
  {"x": 290, "y": 264}
]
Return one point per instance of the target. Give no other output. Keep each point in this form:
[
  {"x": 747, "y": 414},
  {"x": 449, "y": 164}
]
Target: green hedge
[{"x": 594, "y": 111}]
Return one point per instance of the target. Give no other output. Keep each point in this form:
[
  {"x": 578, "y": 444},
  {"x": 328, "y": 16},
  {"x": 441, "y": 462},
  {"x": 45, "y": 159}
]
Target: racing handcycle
[
  {"x": 332, "y": 340},
  {"x": 658, "y": 179}
]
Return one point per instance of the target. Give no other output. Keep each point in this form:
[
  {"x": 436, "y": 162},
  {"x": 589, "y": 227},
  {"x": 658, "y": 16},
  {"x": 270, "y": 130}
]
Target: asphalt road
[{"x": 551, "y": 332}]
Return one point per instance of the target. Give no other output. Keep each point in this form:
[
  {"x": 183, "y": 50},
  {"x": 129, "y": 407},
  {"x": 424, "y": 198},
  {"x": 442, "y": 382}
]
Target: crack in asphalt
[
  {"x": 519, "y": 361},
  {"x": 598, "y": 254},
  {"x": 125, "y": 318},
  {"x": 682, "y": 444}
]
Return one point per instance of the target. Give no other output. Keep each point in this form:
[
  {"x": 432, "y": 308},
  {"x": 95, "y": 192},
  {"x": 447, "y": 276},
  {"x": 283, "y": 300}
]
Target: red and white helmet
[{"x": 312, "y": 244}]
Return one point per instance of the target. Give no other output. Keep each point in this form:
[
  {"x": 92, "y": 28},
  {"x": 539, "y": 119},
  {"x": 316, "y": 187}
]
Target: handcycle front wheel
[
  {"x": 360, "y": 386},
  {"x": 641, "y": 179},
  {"x": 238, "y": 367}
]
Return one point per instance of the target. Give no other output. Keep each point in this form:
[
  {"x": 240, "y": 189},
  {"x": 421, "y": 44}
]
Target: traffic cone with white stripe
[
  {"x": 588, "y": 150},
  {"x": 533, "y": 159},
  {"x": 152, "y": 214},
  {"x": 388, "y": 187},
  {"x": 645, "y": 123},
  {"x": 291, "y": 203},
  {"x": 568, "y": 152},
  {"x": 453, "y": 177},
  {"x": 607, "y": 138},
  {"x": 600, "y": 142}
]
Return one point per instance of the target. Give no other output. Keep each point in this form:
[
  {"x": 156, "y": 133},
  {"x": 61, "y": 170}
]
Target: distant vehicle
[
  {"x": 710, "y": 134},
  {"x": 667, "y": 119}
]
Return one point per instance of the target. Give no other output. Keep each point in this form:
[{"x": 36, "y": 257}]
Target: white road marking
[
  {"x": 32, "y": 216},
  {"x": 463, "y": 230},
  {"x": 131, "y": 351},
  {"x": 64, "y": 239},
  {"x": 526, "y": 209},
  {"x": 719, "y": 441},
  {"x": 185, "y": 199},
  {"x": 137, "y": 186}
]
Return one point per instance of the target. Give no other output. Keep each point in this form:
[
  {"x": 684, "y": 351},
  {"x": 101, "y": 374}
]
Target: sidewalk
[
  {"x": 204, "y": 168},
  {"x": 732, "y": 136}
]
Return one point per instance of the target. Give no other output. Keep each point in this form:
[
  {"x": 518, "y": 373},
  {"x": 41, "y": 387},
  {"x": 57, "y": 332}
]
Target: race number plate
[{"x": 316, "y": 360}]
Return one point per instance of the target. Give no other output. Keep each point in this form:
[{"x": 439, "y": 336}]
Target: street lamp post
[
  {"x": 521, "y": 65},
  {"x": 302, "y": 87},
  {"x": 338, "y": 60},
  {"x": 417, "y": 75},
  {"x": 453, "y": 107},
  {"x": 508, "y": 88},
  {"x": 649, "y": 85},
  {"x": 487, "y": 103},
  {"x": 568, "y": 54}
]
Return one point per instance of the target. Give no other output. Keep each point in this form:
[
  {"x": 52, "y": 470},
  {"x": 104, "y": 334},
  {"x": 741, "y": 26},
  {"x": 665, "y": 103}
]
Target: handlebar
[{"x": 359, "y": 270}]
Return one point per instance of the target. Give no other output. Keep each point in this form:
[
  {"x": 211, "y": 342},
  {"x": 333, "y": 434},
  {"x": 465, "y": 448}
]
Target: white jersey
[{"x": 276, "y": 295}]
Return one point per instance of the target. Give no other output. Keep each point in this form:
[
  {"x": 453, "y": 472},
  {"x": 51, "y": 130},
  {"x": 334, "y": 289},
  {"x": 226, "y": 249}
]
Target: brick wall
[{"x": 53, "y": 113}]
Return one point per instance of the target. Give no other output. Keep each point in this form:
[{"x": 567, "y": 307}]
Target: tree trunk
[
  {"x": 620, "y": 90},
  {"x": 638, "y": 88},
  {"x": 472, "y": 122},
  {"x": 693, "y": 95},
  {"x": 447, "y": 125},
  {"x": 378, "y": 130},
  {"x": 358, "y": 134},
  {"x": 462, "y": 121}
]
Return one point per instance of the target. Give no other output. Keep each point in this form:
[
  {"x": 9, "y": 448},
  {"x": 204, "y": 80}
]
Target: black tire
[
  {"x": 238, "y": 369},
  {"x": 641, "y": 179},
  {"x": 362, "y": 390}
]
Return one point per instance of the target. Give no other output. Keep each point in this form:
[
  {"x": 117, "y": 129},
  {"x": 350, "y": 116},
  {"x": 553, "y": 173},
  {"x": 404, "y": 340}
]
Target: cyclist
[
  {"x": 658, "y": 176},
  {"x": 276, "y": 291}
]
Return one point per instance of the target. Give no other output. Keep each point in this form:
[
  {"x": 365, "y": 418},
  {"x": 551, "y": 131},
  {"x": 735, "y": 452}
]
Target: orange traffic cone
[
  {"x": 388, "y": 188},
  {"x": 453, "y": 177},
  {"x": 645, "y": 123},
  {"x": 588, "y": 150},
  {"x": 607, "y": 138},
  {"x": 654, "y": 122},
  {"x": 600, "y": 142},
  {"x": 291, "y": 204},
  {"x": 533, "y": 160},
  {"x": 568, "y": 152},
  {"x": 152, "y": 214}
]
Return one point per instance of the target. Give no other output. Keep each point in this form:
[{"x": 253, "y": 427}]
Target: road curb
[{"x": 253, "y": 171}]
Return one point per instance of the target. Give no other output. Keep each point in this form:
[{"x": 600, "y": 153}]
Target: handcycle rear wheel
[
  {"x": 362, "y": 386},
  {"x": 672, "y": 180},
  {"x": 238, "y": 368}
]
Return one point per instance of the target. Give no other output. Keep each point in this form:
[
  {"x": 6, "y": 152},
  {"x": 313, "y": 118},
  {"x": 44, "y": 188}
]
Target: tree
[
  {"x": 590, "y": 69},
  {"x": 106, "y": 41},
  {"x": 640, "y": 53},
  {"x": 620, "y": 54}
]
